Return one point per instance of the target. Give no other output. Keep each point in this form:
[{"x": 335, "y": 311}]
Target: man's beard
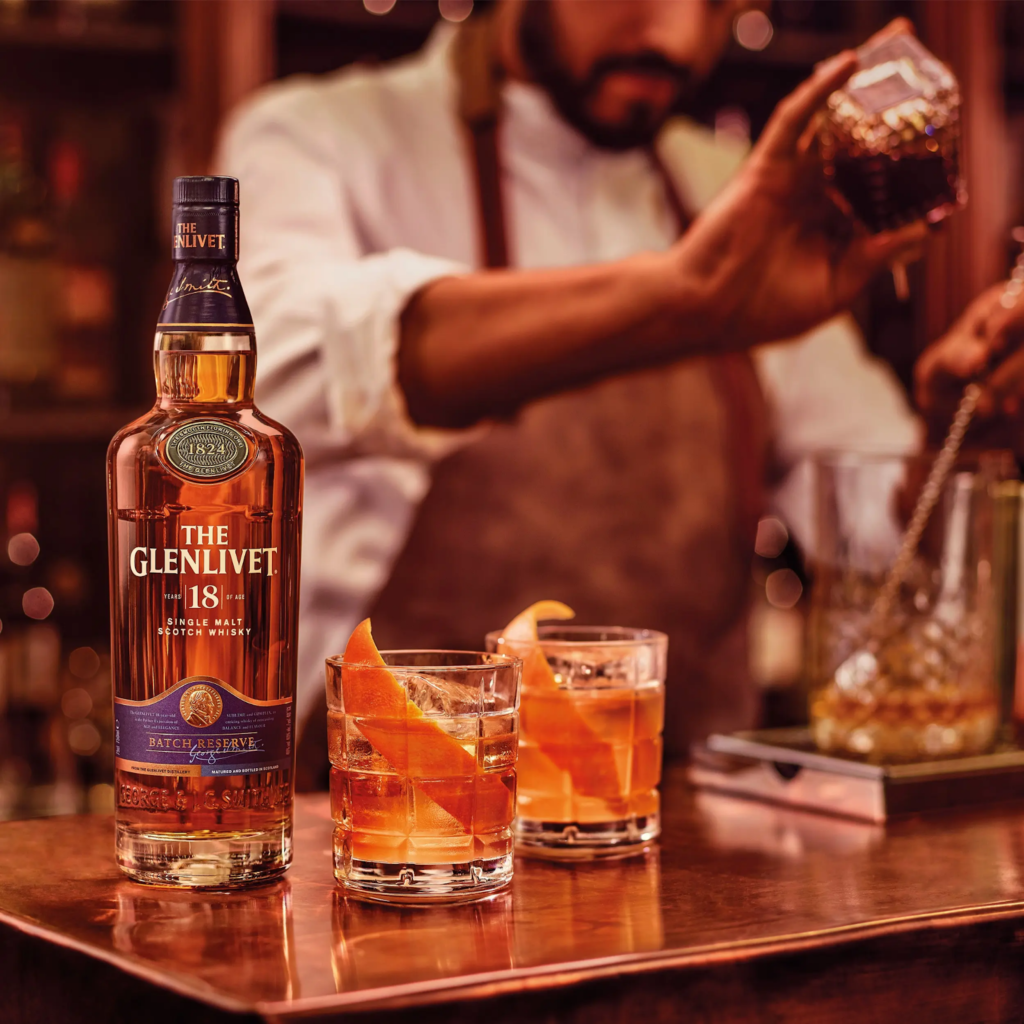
[{"x": 570, "y": 97}]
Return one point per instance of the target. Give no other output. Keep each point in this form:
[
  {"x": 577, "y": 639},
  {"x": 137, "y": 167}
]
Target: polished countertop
[{"x": 733, "y": 882}]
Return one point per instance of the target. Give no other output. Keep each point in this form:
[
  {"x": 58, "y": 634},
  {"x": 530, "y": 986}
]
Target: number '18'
[{"x": 210, "y": 597}]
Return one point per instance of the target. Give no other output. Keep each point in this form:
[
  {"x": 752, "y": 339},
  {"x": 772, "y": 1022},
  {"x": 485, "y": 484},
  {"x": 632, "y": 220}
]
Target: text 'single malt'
[{"x": 205, "y": 503}]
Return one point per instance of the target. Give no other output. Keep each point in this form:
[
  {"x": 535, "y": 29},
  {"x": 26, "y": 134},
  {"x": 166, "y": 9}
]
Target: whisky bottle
[{"x": 204, "y": 510}]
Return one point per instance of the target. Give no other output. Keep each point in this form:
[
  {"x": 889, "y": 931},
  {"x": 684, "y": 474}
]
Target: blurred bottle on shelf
[
  {"x": 79, "y": 15},
  {"x": 58, "y": 294},
  {"x": 29, "y": 275},
  {"x": 87, "y": 289}
]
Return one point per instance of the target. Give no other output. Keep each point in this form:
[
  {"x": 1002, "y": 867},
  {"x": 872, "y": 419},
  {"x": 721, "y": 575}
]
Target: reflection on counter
[
  {"x": 739, "y": 824},
  {"x": 429, "y": 942},
  {"x": 611, "y": 908},
  {"x": 605, "y": 908},
  {"x": 198, "y": 934}
]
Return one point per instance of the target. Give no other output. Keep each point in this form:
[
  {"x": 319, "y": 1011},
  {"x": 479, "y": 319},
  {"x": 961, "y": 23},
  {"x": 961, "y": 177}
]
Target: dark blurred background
[{"x": 103, "y": 102}]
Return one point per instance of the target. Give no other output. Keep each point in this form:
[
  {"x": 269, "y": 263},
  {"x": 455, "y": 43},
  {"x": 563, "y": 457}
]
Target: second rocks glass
[{"x": 592, "y": 716}]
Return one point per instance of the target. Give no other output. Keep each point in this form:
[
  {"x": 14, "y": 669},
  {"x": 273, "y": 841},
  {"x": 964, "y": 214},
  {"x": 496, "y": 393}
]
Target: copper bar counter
[{"x": 746, "y": 913}]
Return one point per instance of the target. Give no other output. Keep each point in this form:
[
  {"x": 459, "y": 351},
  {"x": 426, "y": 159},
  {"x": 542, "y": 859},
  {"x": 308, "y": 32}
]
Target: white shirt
[{"x": 356, "y": 191}]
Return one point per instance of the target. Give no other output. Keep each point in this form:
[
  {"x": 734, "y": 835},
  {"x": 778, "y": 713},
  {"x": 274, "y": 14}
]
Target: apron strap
[
  {"x": 490, "y": 204},
  {"x": 479, "y": 103}
]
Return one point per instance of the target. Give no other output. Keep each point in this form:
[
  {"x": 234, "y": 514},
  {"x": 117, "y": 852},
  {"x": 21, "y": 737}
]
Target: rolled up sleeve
[{"x": 327, "y": 312}]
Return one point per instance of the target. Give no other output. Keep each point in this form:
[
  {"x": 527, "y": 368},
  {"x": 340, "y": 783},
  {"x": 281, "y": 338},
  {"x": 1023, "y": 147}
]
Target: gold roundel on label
[
  {"x": 205, "y": 449},
  {"x": 201, "y": 705}
]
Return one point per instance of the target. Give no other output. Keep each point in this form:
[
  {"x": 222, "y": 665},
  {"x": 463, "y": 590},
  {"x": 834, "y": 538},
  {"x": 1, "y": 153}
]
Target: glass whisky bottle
[{"x": 204, "y": 508}]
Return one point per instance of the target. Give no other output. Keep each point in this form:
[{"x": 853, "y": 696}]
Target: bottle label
[
  {"x": 203, "y": 296},
  {"x": 205, "y": 233},
  {"x": 206, "y": 449},
  {"x": 202, "y": 726}
]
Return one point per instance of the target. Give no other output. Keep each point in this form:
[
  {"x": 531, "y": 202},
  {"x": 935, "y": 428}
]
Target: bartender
[{"x": 510, "y": 307}]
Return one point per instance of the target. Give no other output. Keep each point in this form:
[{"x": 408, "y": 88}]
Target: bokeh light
[
  {"x": 772, "y": 537},
  {"x": 37, "y": 603},
  {"x": 23, "y": 549},
  {"x": 455, "y": 10},
  {"x": 753, "y": 30},
  {"x": 68, "y": 581},
  {"x": 84, "y": 662},
  {"x": 732, "y": 123},
  {"x": 76, "y": 703},
  {"x": 783, "y": 588},
  {"x": 84, "y": 738},
  {"x": 378, "y": 6}
]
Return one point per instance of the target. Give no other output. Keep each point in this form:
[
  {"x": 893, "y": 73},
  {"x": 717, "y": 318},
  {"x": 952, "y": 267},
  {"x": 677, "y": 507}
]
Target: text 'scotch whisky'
[{"x": 204, "y": 500}]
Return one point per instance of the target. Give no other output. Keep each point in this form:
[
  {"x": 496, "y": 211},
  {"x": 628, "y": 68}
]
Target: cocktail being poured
[{"x": 891, "y": 137}]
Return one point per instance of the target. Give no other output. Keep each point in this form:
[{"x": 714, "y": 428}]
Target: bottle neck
[
  {"x": 205, "y": 349},
  {"x": 205, "y": 296},
  {"x": 204, "y": 367}
]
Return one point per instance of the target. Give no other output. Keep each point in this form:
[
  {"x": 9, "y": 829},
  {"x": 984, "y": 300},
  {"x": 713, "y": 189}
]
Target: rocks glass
[
  {"x": 590, "y": 749},
  {"x": 919, "y": 684},
  {"x": 423, "y": 786}
]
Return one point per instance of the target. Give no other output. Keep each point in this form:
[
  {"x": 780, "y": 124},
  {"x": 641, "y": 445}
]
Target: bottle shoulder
[
  {"x": 274, "y": 428},
  {"x": 134, "y": 434},
  {"x": 151, "y": 459},
  {"x": 161, "y": 419}
]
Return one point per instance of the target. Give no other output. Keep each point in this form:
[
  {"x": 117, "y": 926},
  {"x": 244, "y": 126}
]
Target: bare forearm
[{"x": 484, "y": 344}]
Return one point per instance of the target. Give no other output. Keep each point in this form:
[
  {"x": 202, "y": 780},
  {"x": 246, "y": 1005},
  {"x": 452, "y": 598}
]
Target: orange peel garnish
[
  {"x": 416, "y": 747},
  {"x": 523, "y": 630},
  {"x": 588, "y": 759}
]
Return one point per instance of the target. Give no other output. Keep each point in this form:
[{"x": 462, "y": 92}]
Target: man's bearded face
[{"x": 617, "y": 69}]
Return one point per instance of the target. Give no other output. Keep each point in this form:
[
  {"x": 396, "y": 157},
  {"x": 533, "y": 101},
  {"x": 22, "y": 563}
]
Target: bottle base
[{"x": 215, "y": 861}]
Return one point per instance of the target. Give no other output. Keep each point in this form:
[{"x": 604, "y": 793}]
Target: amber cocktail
[
  {"x": 590, "y": 744},
  {"x": 423, "y": 771},
  {"x": 918, "y": 684}
]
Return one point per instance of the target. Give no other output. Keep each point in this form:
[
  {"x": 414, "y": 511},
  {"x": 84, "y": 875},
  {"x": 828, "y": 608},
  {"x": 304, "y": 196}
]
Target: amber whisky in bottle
[{"x": 204, "y": 501}]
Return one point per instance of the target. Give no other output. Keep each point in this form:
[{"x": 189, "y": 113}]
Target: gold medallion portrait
[{"x": 201, "y": 705}]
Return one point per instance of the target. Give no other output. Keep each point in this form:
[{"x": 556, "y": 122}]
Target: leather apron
[{"x": 634, "y": 499}]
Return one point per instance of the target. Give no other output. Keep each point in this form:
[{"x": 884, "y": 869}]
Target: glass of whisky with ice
[
  {"x": 917, "y": 683},
  {"x": 590, "y": 743},
  {"x": 423, "y": 748}
]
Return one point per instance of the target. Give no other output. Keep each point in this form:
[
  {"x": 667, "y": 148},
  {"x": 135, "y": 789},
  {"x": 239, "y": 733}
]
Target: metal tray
[{"x": 783, "y": 766}]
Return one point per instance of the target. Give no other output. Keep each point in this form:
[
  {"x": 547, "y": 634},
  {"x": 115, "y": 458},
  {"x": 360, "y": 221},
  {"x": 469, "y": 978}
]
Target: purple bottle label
[{"x": 202, "y": 726}]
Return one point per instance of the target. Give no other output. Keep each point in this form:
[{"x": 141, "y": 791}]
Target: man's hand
[
  {"x": 773, "y": 254},
  {"x": 984, "y": 344}
]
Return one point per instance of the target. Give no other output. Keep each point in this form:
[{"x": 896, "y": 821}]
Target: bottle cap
[{"x": 206, "y": 190}]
